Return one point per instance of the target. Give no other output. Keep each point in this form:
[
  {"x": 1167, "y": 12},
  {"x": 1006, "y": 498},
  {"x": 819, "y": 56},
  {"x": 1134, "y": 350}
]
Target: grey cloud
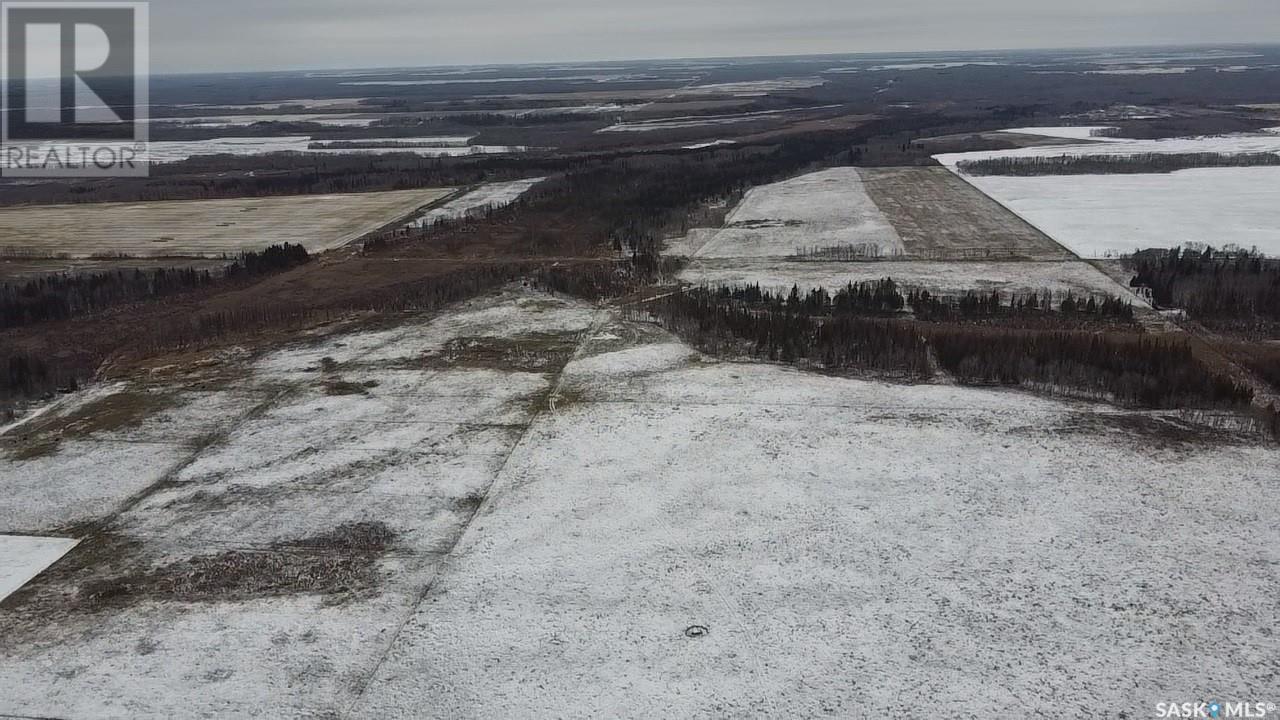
[{"x": 197, "y": 35}]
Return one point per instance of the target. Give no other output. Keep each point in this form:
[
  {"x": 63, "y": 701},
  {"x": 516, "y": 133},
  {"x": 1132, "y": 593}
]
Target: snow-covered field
[
  {"x": 1101, "y": 215},
  {"x": 711, "y": 144},
  {"x": 171, "y": 151},
  {"x": 456, "y": 80},
  {"x": 399, "y": 427},
  {"x": 178, "y": 150},
  {"x": 752, "y": 88},
  {"x": 1081, "y": 132},
  {"x": 1142, "y": 70},
  {"x": 760, "y": 238},
  {"x": 235, "y": 121},
  {"x": 306, "y": 103},
  {"x": 695, "y": 121},
  {"x": 23, "y": 558},
  {"x": 1106, "y": 215},
  {"x": 823, "y": 209},
  {"x": 1239, "y": 143},
  {"x": 648, "y": 532},
  {"x": 699, "y": 539},
  {"x": 492, "y": 195}
]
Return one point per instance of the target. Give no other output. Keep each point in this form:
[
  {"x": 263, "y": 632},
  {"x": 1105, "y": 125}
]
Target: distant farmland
[{"x": 203, "y": 227}]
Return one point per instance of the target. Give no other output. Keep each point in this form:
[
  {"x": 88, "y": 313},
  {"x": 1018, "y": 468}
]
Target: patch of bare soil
[
  {"x": 335, "y": 386},
  {"x": 339, "y": 564},
  {"x": 535, "y": 352},
  {"x": 1163, "y": 431},
  {"x": 119, "y": 411}
]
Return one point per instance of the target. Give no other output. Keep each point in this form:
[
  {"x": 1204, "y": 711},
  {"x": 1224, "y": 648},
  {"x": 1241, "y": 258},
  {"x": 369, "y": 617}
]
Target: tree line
[
  {"x": 1124, "y": 368},
  {"x": 1115, "y": 164},
  {"x": 886, "y": 297},
  {"x": 25, "y": 375},
  {"x": 1223, "y": 288},
  {"x": 65, "y": 295},
  {"x": 974, "y": 305}
]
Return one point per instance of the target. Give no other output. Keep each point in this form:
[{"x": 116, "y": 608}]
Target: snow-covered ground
[
  {"x": 700, "y": 539},
  {"x": 306, "y": 103},
  {"x": 609, "y": 78},
  {"x": 1102, "y": 215},
  {"x": 713, "y": 143},
  {"x": 1142, "y": 70},
  {"x": 696, "y": 121},
  {"x": 398, "y": 427},
  {"x": 176, "y": 151},
  {"x": 22, "y": 558},
  {"x": 170, "y": 151},
  {"x": 665, "y": 535},
  {"x": 234, "y": 121},
  {"x": 818, "y": 210},
  {"x": 492, "y": 195},
  {"x": 1082, "y": 132},
  {"x": 1238, "y": 143},
  {"x": 752, "y": 88}
]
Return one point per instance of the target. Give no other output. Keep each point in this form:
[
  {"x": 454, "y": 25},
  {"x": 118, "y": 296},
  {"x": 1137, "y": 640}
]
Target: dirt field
[
  {"x": 204, "y": 227},
  {"x": 941, "y": 217}
]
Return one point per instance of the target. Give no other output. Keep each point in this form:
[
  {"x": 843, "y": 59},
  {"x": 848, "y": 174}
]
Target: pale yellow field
[{"x": 204, "y": 227}]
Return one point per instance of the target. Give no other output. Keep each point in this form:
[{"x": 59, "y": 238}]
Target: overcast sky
[{"x": 208, "y": 35}]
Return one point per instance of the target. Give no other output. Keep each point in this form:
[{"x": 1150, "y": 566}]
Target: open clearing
[
  {"x": 818, "y": 210},
  {"x": 528, "y": 507},
  {"x": 486, "y": 197},
  {"x": 206, "y": 227}
]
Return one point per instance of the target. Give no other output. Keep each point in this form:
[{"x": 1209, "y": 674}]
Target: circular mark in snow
[{"x": 697, "y": 631}]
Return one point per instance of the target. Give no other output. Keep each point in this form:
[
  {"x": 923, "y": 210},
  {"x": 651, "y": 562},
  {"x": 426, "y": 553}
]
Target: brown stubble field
[{"x": 204, "y": 228}]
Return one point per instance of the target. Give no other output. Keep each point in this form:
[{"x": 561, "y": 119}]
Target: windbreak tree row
[
  {"x": 1124, "y": 368},
  {"x": 63, "y": 296}
]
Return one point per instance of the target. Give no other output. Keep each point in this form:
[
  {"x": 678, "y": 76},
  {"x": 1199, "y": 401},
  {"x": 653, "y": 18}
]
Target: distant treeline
[
  {"x": 1125, "y": 368},
  {"x": 885, "y": 297},
  {"x": 491, "y": 119},
  {"x": 785, "y": 333},
  {"x": 1270, "y": 417},
  {"x": 977, "y": 305},
  {"x": 228, "y": 176},
  {"x": 27, "y": 375},
  {"x": 847, "y": 252},
  {"x": 425, "y": 294},
  {"x": 1235, "y": 289},
  {"x": 63, "y": 296},
  {"x": 1115, "y": 164}
]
